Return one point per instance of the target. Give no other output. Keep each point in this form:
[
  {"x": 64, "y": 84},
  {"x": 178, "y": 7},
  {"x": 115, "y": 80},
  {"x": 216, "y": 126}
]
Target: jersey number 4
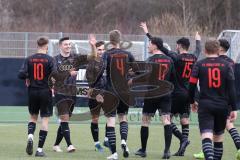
[
  {"x": 38, "y": 71},
  {"x": 214, "y": 77}
]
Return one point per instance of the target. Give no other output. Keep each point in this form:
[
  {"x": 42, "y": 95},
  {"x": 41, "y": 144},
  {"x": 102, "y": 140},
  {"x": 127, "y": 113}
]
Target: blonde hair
[
  {"x": 115, "y": 37},
  {"x": 212, "y": 46}
]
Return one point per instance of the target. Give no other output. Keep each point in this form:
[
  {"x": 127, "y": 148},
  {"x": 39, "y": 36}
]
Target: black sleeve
[
  {"x": 197, "y": 95},
  {"x": 131, "y": 58},
  {"x": 193, "y": 83},
  {"x": 23, "y": 72},
  {"x": 198, "y": 48},
  {"x": 172, "y": 55},
  {"x": 173, "y": 77},
  {"x": 90, "y": 74},
  {"x": 149, "y": 36},
  {"x": 52, "y": 65},
  {"x": 79, "y": 61},
  {"x": 231, "y": 88}
]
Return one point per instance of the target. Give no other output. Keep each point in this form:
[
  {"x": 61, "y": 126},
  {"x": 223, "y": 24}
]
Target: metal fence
[{"x": 23, "y": 44}]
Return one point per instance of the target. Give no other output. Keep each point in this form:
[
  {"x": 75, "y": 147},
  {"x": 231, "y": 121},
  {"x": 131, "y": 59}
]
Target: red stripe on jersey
[{"x": 193, "y": 80}]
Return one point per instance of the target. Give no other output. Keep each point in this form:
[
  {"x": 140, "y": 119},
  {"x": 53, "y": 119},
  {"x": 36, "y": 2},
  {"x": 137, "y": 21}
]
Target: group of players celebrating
[{"x": 214, "y": 99}]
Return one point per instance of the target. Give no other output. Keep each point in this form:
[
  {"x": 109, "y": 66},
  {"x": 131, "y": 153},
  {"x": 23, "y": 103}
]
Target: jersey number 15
[{"x": 187, "y": 70}]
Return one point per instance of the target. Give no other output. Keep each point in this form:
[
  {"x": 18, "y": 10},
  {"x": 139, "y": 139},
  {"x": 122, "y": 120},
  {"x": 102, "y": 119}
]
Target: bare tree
[{"x": 175, "y": 16}]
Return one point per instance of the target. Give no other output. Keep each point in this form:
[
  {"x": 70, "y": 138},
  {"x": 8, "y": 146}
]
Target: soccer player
[
  {"x": 36, "y": 71},
  {"x": 162, "y": 104},
  {"x": 65, "y": 96},
  {"x": 122, "y": 108},
  {"x": 217, "y": 93},
  {"x": 94, "y": 75},
  {"x": 183, "y": 62},
  {"x": 224, "y": 46}
]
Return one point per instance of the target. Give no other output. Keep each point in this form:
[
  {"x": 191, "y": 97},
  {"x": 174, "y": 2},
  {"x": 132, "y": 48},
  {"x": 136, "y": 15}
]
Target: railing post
[
  {"x": 60, "y": 34},
  {"x": 26, "y": 44},
  {"x": 145, "y": 55}
]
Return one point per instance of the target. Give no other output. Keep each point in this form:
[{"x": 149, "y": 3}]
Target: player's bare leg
[
  {"x": 31, "y": 130},
  {"x": 218, "y": 146},
  {"x": 124, "y": 133},
  {"x": 166, "y": 120},
  {"x": 184, "y": 142},
  {"x": 112, "y": 137},
  {"x": 42, "y": 137},
  {"x": 66, "y": 131},
  {"x": 207, "y": 146},
  {"x": 146, "y": 119},
  {"x": 235, "y": 136},
  {"x": 95, "y": 133}
]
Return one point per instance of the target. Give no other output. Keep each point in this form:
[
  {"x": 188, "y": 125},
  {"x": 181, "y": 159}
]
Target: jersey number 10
[
  {"x": 214, "y": 77},
  {"x": 38, "y": 71}
]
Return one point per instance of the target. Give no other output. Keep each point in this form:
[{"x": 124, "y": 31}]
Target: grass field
[{"x": 13, "y": 140}]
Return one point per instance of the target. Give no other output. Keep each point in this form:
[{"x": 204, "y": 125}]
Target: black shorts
[
  {"x": 180, "y": 105},
  {"x": 65, "y": 104},
  {"x": 122, "y": 108},
  {"x": 40, "y": 100},
  {"x": 212, "y": 119},
  {"x": 163, "y": 105},
  {"x": 109, "y": 106},
  {"x": 94, "y": 107}
]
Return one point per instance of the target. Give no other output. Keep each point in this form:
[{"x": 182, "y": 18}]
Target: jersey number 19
[{"x": 214, "y": 77}]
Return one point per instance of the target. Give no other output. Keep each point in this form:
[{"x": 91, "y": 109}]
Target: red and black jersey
[
  {"x": 167, "y": 71},
  {"x": 37, "y": 68},
  {"x": 228, "y": 59},
  {"x": 107, "y": 58},
  {"x": 216, "y": 80},
  {"x": 183, "y": 64}
]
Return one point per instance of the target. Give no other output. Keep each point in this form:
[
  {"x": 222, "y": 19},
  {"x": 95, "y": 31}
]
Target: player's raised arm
[
  {"x": 143, "y": 25},
  {"x": 92, "y": 42},
  {"x": 198, "y": 45},
  {"x": 83, "y": 59}
]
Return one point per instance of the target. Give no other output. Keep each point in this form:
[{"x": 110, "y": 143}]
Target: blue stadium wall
[{"x": 13, "y": 91}]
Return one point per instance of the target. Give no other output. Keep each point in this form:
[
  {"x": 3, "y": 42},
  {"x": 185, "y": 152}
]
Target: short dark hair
[
  {"x": 158, "y": 42},
  {"x": 41, "y": 41},
  {"x": 184, "y": 42},
  {"x": 212, "y": 46},
  {"x": 224, "y": 44},
  {"x": 63, "y": 39},
  {"x": 99, "y": 43}
]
